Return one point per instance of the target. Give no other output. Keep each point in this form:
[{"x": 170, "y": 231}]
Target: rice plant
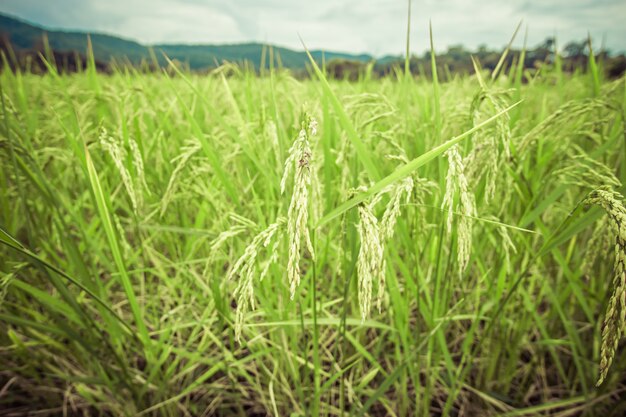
[{"x": 241, "y": 244}]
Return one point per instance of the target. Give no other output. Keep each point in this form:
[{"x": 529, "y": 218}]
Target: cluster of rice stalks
[
  {"x": 219, "y": 251},
  {"x": 615, "y": 318}
]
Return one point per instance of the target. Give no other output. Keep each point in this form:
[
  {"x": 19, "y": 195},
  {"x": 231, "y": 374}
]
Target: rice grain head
[
  {"x": 456, "y": 181},
  {"x": 189, "y": 150},
  {"x": 491, "y": 145},
  {"x": 370, "y": 262},
  {"x": 392, "y": 211},
  {"x": 561, "y": 121},
  {"x": 138, "y": 163},
  {"x": 299, "y": 161},
  {"x": 583, "y": 171},
  {"x": 615, "y": 316},
  {"x": 118, "y": 154},
  {"x": 373, "y": 235},
  {"x": 246, "y": 267}
]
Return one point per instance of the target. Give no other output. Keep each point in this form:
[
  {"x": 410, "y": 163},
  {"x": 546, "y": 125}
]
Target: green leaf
[
  {"x": 361, "y": 149},
  {"x": 405, "y": 170}
]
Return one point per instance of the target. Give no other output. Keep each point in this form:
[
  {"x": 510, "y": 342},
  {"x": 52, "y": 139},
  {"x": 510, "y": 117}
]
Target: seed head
[
  {"x": 491, "y": 145},
  {"x": 189, "y": 150},
  {"x": 246, "y": 267},
  {"x": 118, "y": 154},
  {"x": 615, "y": 316},
  {"x": 370, "y": 262},
  {"x": 392, "y": 211},
  {"x": 299, "y": 161},
  {"x": 456, "y": 181}
]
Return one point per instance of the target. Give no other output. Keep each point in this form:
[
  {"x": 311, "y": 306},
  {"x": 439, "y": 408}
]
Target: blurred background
[{"x": 204, "y": 34}]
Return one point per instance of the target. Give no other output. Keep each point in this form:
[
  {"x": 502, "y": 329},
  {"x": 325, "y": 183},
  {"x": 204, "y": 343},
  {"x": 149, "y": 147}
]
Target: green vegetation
[
  {"x": 241, "y": 244},
  {"x": 23, "y": 36},
  {"x": 23, "y": 42}
]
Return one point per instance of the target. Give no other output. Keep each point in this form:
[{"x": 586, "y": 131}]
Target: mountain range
[{"x": 23, "y": 35}]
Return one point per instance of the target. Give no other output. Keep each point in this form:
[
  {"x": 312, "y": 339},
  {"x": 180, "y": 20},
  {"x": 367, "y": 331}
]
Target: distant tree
[
  {"x": 457, "y": 53},
  {"x": 542, "y": 53},
  {"x": 344, "y": 69},
  {"x": 616, "y": 67},
  {"x": 575, "y": 50}
]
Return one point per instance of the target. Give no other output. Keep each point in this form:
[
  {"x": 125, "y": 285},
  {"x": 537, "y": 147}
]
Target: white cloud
[{"x": 374, "y": 26}]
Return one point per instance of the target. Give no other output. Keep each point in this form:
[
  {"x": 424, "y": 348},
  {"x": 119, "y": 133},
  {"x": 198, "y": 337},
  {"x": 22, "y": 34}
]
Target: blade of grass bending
[
  {"x": 535, "y": 410},
  {"x": 324, "y": 321},
  {"x": 406, "y": 169},
  {"x": 436, "y": 93},
  {"x": 22, "y": 322},
  {"x": 520, "y": 65},
  {"x": 9, "y": 241},
  {"x": 53, "y": 303},
  {"x": 344, "y": 120},
  {"x": 563, "y": 234},
  {"x": 480, "y": 219},
  {"x": 495, "y": 72},
  {"x": 109, "y": 229},
  {"x": 407, "y": 56},
  {"x": 593, "y": 69}
]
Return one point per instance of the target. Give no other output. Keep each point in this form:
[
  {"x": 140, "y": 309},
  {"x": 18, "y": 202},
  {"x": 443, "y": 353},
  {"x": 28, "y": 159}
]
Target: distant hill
[
  {"x": 26, "y": 36},
  {"x": 69, "y": 50}
]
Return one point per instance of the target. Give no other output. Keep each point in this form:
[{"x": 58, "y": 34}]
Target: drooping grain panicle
[
  {"x": 392, "y": 211},
  {"x": 138, "y": 163},
  {"x": 370, "y": 262},
  {"x": 189, "y": 150},
  {"x": 560, "y": 122},
  {"x": 456, "y": 182},
  {"x": 246, "y": 268},
  {"x": 116, "y": 150},
  {"x": 491, "y": 145},
  {"x": 239, "y": 225},
  {"x": 421, "y": 190},
  {"x": 219, "y": 241},
  {"x": 373, "y": 234},
  {"x": 402, "y": 189},
  {"x": 615, "y": 316},
  {"x": 582, "y": 170},
  {"x": 299, "y": 161},
  {"x": 454, "y": 166}
]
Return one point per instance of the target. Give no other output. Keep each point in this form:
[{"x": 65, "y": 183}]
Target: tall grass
[{"x": 152, "y": 264}]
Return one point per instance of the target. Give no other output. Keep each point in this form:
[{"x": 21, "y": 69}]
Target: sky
[{"x": 377, "y": 27}]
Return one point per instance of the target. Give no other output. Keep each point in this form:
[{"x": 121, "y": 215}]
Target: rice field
[{"x": 234, "y": 244}]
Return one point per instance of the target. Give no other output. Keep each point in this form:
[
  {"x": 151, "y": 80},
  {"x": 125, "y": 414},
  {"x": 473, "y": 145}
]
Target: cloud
[{"x": 373, "y": 26}]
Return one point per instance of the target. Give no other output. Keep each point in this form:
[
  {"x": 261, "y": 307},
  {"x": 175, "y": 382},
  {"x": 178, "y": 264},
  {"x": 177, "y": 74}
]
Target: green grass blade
[
  {"x": 365, "y": 156},
  {"x": 407, "y": 169},
  {"x": 107, "y": 224}
]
